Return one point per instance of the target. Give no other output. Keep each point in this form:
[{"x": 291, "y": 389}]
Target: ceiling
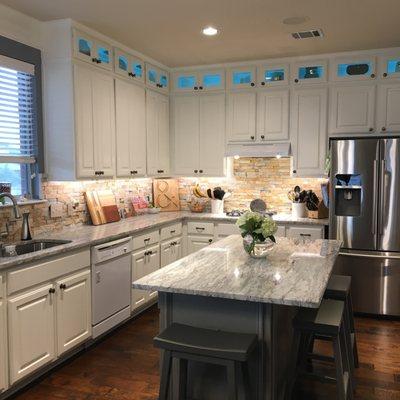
[{"x": 170, "y": 30}]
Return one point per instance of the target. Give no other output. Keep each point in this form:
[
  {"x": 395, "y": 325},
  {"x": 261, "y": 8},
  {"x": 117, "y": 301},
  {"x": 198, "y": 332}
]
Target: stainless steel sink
[{"x": 17, "y": 249}]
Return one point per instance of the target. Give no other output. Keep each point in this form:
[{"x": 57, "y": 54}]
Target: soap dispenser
[{"x": 25, "y": 232}]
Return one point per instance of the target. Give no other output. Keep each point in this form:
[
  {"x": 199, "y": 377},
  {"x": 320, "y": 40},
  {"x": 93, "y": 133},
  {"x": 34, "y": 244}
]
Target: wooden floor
[{"x": 125, "y": 366}]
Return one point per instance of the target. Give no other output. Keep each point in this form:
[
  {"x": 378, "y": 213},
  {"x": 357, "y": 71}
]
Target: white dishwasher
[{"x": 111, "y": 284}]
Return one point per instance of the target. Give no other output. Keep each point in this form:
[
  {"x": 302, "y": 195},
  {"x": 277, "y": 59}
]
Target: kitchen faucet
[{"x": 16, "y": 214}]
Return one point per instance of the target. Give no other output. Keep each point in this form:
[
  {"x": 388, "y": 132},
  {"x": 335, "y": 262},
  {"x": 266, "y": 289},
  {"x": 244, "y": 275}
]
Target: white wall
[{"x": 19, "y": 27}]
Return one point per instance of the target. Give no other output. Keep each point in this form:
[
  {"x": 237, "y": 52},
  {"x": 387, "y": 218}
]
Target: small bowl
[{"x": 197, "y": 207}]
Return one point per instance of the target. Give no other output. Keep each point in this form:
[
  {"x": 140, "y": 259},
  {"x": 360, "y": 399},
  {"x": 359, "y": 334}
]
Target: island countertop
[{"x": 294, "y": 273}]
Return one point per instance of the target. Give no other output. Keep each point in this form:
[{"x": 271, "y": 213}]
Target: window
[{"x": 18, "y": 125}]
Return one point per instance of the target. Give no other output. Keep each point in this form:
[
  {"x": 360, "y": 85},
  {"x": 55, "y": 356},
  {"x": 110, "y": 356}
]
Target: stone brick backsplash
[{"x": 266, "y": 178}]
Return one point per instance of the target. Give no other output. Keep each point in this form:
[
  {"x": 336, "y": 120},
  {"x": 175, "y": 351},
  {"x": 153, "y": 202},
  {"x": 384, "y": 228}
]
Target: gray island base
[{"x": 221, "y": 287}]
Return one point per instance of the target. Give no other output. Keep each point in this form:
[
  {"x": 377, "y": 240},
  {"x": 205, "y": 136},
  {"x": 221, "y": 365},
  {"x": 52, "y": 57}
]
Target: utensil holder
[
  {"x": 299, "y": 210},
  {"x": 217, "y": 206}
]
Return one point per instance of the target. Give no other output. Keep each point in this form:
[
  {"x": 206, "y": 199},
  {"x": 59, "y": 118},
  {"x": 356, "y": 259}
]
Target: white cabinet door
[
  {"x": 31, "y": 331},
  {"x": 157, "y": 126},
  {"x": 130, "y": 129},
  {"x": 389, "y": 108},
  {"x": 352, "y": 109},
  {"x": 104, "y": 123},
  {"x": 74, "y": 315},
  {"x": 3, "y": 347},
  {"x": 309, "y": 131},
  {"x": 196, "y": 243},
  {"x": 186, "y": 135},
  {"x": 212, "y": 135},
  {"x": 273, "y": 115},
  {"x": 85, "y": 160},
  {"x": 171, "y": 251},
  {"x": 144, "y": 262},
  {"x": 241, "y": 118}
]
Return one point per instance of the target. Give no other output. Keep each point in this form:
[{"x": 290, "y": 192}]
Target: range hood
[{"x": 258, "y": 150}]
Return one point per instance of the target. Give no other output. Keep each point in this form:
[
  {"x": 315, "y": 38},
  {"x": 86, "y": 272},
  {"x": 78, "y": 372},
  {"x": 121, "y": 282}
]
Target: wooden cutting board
[
  {"x": 95, "y": 208},
  {"x": 166, "y": 194}
]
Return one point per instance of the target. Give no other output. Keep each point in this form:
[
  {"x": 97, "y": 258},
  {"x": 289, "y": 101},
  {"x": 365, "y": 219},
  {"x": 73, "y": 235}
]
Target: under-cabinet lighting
[{"x": 236, "y": 157}]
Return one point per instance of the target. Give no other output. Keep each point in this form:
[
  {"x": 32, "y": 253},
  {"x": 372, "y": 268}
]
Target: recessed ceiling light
[{"x": 210, "y": 31}]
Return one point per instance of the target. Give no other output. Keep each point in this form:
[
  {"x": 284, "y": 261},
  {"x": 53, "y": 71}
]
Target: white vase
[
  {"x": 217, "y": 206},
  {"x": 299, "y": 210}
]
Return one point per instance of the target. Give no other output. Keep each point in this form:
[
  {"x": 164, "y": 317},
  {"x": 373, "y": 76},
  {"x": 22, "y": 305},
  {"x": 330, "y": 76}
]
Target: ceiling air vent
[{"x": 314, "y": 33}]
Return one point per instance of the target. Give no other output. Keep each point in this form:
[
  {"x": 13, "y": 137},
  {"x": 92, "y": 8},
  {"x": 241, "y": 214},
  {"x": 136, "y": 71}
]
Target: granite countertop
[
  {"x": 90, "y": 235},
  {"x": 295, "y": 273}
]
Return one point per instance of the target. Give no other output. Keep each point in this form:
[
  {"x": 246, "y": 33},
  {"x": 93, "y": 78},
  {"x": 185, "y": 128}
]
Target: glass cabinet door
[
  {"x": 390, "y": 66},
  {"x": 309, "y": 72},
  {"x": 151, "y": 75},
  {"x": 136, "y": 69},
  {"x": 163, "y": 80},
  {"x": 243, "y": 77},
  {"x": 212, "y": 80},
  {"x": 185, "y": 81},
  {"x": 273, "y": 74},
  {"x": 128, "y": 66},
  {"x": 103, "y": 55},
  {"x": 353, "y": 69},
  {"x": 83, "y": 47}
]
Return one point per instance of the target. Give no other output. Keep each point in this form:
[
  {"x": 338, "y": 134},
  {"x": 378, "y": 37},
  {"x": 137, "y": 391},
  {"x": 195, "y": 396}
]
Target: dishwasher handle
[{"x": 110, "y": 250}]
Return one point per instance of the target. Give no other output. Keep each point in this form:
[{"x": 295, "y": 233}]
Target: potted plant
[{"x": 258, "y": 233}]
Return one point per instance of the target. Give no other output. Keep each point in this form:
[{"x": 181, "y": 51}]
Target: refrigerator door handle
[
  {"x": 375, "y": 199},
  {"x": 369, "y": 255},
  {"x": 382, "y": 195}
]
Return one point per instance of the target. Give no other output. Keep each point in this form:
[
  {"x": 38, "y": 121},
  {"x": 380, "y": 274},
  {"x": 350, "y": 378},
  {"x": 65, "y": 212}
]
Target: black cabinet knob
[
  {"x": 385, "y": 74},
  {"x": 160, "y": 171},
  {"x": 196, "y": 171},
  {"x": 201, "y": 171},
  {"x": 94, "y": 59},
  {"x": 252, "y": 137},
  {"x": 296, "y": 80},
  {"x": 262, "y": 137},
  {"x": 371, "y": 129},
  {"x": 383, "y": 129},
  {"x": 263, "y": 83},
  {"x": 195, "y": 88},
  {"x": 372, "y": 75},
  {"x": 294, "y": 171},
  {"x": 210, "y": 240},
  {"x": 63, "y": 286},
  {"x": 252, "y": 84},
  {"x": 52, "y": 290},
  {"x": 200, "y": 87}
]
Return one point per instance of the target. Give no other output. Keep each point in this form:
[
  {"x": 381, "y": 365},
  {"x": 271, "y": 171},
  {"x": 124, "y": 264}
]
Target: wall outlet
[{"x": 56, "y": 210}]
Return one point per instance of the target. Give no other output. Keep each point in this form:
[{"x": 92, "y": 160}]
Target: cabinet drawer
[
  {"x": 311, "y": 233},
  {"x": 47, "y": 271},
  {"x": 170, "y": 231},
  {"x": 147, "y": 239},
  {"x": 201, "y": 228},
  {"x": 227, "y": 229},
  {"x": 2, "y": 286}
]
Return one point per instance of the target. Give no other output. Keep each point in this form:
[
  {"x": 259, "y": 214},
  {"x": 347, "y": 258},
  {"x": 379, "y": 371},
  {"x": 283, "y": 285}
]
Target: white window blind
[{"x": 17, "y": 114}]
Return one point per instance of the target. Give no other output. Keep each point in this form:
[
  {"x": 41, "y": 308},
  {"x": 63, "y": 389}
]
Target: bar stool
[
  {"x": 339, "y": 289},
  {"x": 327, "y": 322},
  {"x": 186, "y": 343}
]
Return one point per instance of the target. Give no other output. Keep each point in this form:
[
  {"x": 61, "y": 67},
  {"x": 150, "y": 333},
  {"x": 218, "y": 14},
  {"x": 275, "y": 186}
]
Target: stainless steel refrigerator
[{"x": 364, "y": 212}]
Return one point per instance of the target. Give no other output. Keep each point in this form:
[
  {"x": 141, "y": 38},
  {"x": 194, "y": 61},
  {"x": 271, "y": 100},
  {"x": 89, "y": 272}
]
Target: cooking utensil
[
  {"x": 219, "y": 193},
  {"x": 258, "y": 205}
]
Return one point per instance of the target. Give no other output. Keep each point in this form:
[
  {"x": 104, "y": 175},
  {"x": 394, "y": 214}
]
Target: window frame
[{"x": 22, "y": 52}]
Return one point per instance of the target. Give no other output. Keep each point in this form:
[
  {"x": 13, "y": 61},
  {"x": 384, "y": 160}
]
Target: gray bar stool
[
  {"x": 327, "y": 322},
  {"x": 186, "y": 343},
  {"x": 339, "y": 288}
]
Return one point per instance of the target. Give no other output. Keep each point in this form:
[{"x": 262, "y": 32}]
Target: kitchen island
[{"x": 221, "y": 287}]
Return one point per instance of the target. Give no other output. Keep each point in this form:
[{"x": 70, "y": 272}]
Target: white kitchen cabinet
[
  {"x": 273, "y": 74},
  {"x": 144, "y": 262},
  {"x": 354, "y": 68},
  {"x": 196, "y": 243},
  {"x": 352, "y": 109},
  {"x": 128, "y": 66},
  {"x": 241, "y": 119},
  {"x": 309, "y": 131},
  {"x": 171, "y": 251},
  {"x": 273, "y": 115},
  {"x": 199, "y": 135},
  {"x": 309, "y": 72},
  {"x": 199, "y": 81},
  {"x": 157, "y": 78},
  {"x": 226, "y": 229},
  {"x": 241, "y": 77},
  {"x": 305, "y": 233},
  {"x": 31, "y": 331},
  {"x": 3, "y": 347},
  {"x": 157, "y": 128},
  {"x": 388, "y": 113},
  {"x": 74, "y": 315},
  {"x": 94, "y": 51},
  {"x": 94, "y": 123},
  {"x": 130, "y": 105}
]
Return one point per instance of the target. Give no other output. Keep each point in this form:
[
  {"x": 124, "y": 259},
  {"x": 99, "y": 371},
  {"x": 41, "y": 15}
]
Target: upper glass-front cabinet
[
  {"x": 157, "y": 78},
  {"x": 242, "y": 77},
  {"x": 309, "y": 72},
  {"x": 389, "y": 66},
  {"x": 128, "y": 66},
  {"x": 273, "y": 74},
  {"x": 198, "y": 81},
  {"x": 91, "y": 50},
  {"x": 359, "y": 68}
]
